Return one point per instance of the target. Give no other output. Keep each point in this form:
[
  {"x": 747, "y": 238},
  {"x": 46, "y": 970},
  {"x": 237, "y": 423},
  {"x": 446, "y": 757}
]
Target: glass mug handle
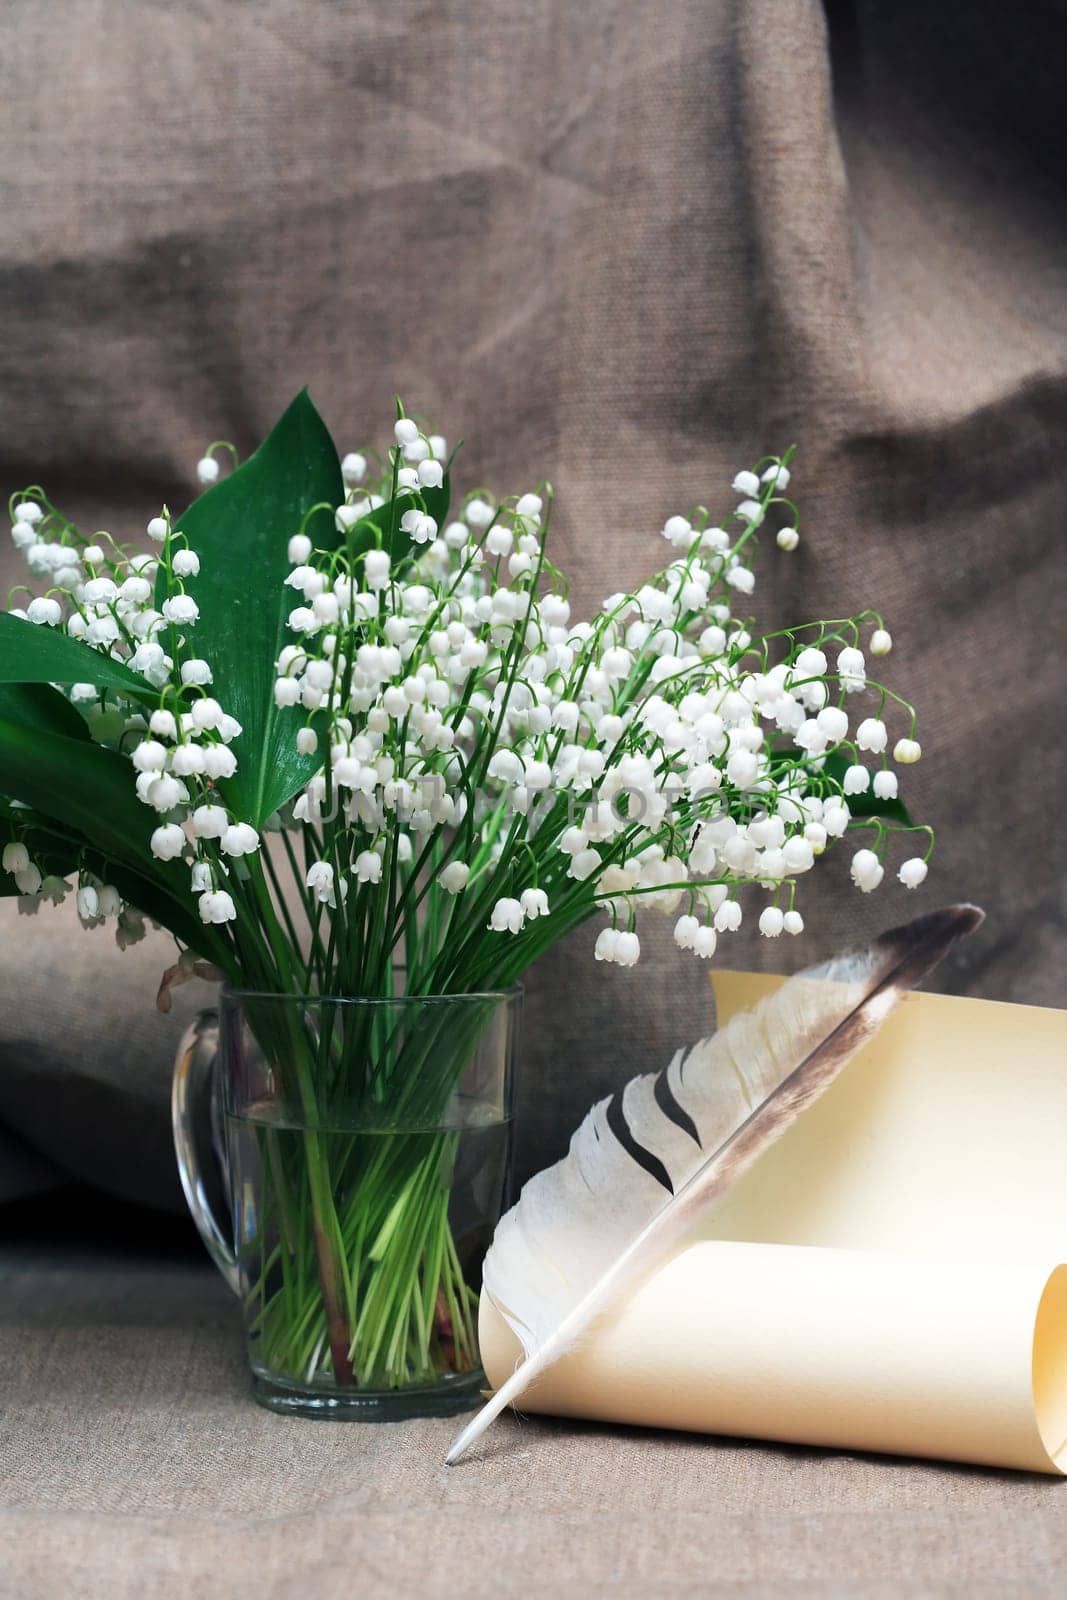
[{"x": 192, "y": 1107}]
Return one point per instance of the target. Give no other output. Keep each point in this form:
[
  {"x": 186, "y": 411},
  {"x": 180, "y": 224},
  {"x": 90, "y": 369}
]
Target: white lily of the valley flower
[
  {"x": 867, "y": 871},
  {"x": 320, "y": 879},
  {"x": 195, "y": 672},
  {"x": 871, "y": 735},
  {"x": 210, "y": 821},
  {"x": 46, "y": 611},
  {"x": 534, "y": 903},
  {"x": 167, "y": 842},
  {"x": 239, "y": 839},
  {"x": 353, "y": 470},
  {"x": 459, "y": 708},
  {"x": 454, "y": 877},
  {"x": 368, "y": 867},
  {"x": 507, "y": 916},
  {"x": 15, "y": 858},
  {"x": 216, "y": 906},
  {"x": 181, "y": 608}
]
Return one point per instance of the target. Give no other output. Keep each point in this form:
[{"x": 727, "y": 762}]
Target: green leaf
[
  {"x": 90, "y": 790},
  {"x": 37, "y": 705},
  {"x": 33, "y": 654},
  {"x": 241, "y": 529},
  {"x": 62, "y": 857},
  {"x": 51, "y": 855}
]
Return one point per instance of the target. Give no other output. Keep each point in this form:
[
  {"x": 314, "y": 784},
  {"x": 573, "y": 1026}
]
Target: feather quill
[{"x": 644, "y": 1165}]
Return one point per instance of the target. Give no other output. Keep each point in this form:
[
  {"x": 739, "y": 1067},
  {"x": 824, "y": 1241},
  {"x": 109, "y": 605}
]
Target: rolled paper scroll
[{"x": 888, "y": 1277}]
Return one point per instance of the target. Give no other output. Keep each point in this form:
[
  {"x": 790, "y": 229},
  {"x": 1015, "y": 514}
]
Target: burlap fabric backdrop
[
  {"x": 627, "y": 245},
  {"x": 630, "y": 245}
]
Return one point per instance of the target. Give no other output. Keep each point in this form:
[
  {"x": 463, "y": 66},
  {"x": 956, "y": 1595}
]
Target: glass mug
[{"x": 362, "y": 1149}]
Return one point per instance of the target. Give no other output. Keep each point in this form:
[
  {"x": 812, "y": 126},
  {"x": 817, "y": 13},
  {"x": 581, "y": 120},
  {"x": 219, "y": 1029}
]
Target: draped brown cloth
[{"x": 631, "y": 246}]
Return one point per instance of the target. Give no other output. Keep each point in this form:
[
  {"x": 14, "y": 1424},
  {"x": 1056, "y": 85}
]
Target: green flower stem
[
  {"x": 329, "y": 1245},
  {"x": 355, "y": 1254},
  {"x": 401, "y": 1270}
]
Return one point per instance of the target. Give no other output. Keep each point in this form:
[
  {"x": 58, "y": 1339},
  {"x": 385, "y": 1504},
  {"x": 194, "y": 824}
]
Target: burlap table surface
[
  {"x": 133, "y": 1464},
  {"x": 630, "y": 245}
]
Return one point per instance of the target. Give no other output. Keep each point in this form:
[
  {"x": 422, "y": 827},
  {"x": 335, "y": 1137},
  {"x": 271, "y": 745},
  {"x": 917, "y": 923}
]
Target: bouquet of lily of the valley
[{"x": 335, "y": 728}]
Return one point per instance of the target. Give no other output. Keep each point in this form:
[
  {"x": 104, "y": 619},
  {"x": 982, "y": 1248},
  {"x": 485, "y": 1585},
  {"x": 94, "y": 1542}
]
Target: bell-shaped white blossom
[
  {"x": 195, "y": 673},
  {"x": 28, "y": 879},
  {"x": 353, "y": 469},
  {"x": 15, "y": 858},
  {"x": 534, "y": 903},
  {"x": 167, "y": 842},
  {"x": 210, "y": 821},
  {"x": 866, "y": 870},
  {"x": 454, "y": 877},
  {"x": 871, "y": 735},
  {"x": 239, "y": 839},
  {"x": 367, "y": 867},
  {"x": 216, "y": 906},
  {"x": 467, "y": 722}
]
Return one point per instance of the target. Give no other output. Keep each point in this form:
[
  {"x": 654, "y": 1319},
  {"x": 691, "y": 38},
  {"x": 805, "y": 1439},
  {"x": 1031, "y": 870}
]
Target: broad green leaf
[
  {"x": 38, "y": 705},
  {"x": 63, "y": 858},
  {"x": 241, "y": 529},
  {"x": 53, "y": 855},
  {"x": 33, "y": 654},
  {"x": 90, "y": 790}
]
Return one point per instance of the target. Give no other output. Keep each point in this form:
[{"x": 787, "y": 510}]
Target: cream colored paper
[{"x": 887, "y": 1278}]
